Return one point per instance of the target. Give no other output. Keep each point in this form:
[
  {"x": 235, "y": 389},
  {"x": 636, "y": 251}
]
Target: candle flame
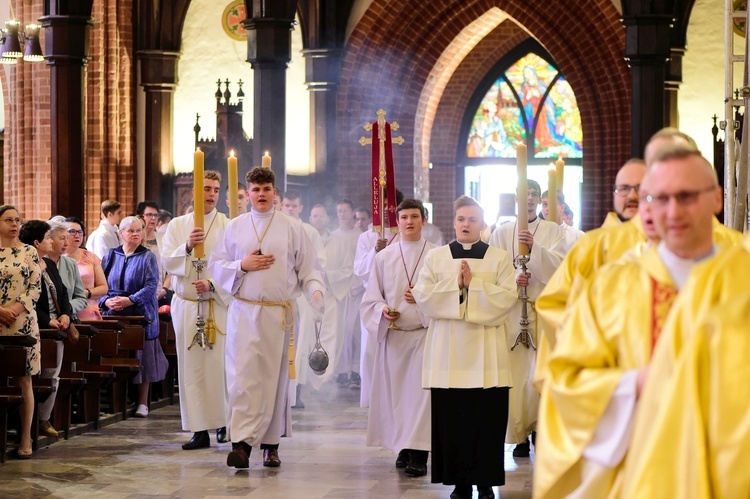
[
  {"x": 231, "y": 153},
  {"x": 266, "y": 153}
]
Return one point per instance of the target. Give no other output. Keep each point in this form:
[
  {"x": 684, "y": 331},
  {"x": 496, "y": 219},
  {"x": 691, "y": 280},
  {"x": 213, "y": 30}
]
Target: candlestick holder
[
  {"x": 524, "y": 337},
  {"x": 200, "y": 338}
]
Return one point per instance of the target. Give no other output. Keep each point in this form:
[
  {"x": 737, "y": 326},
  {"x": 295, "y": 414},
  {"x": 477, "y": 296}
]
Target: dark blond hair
[
  {"x": 110, "y": 206},
  {"x": 465, "y": 201},
  {"x": 212, "y": 175}
]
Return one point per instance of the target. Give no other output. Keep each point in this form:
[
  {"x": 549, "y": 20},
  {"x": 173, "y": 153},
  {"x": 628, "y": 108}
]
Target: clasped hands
[
  {"x": 464, "y": 275},
  {"x": 118, "y": 303},
  {"x": 60, "y": 323},
  {"x": 256, "y": 261},
  {"x": 8, "y": 315}
]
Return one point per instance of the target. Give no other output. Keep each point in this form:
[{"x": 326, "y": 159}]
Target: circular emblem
[{"x": 231, "y": 20}]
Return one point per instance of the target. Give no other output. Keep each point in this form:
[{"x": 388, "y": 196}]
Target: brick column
[{"x": 66, "y": 48}]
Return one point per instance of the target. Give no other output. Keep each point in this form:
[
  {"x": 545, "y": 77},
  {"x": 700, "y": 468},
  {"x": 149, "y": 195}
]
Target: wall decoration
[{"x": 231, "y": 20}]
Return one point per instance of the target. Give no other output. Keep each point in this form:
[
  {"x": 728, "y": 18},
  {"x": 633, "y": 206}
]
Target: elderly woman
[
  {"x": 90, "y": 268},
  {"x": 67, "y": 267},
  {"x": 133, "y": 280},
  {"x": 20, "y": 275},
  {"x": 53, "y": 308}
]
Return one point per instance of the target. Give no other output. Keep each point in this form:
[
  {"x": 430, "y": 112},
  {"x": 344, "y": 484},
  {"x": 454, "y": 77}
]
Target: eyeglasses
[
  {"x": 625, "y": 189},
  {"x": 74, "y": 232},
  {"x": 151, "y": 215},
  {"x": 682, "y": 198},
  {"x": 10, "y": 221},
  {"x": 131, "y": 231}
]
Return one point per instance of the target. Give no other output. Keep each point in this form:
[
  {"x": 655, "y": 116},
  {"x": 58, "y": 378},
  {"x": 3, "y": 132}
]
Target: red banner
[{"x": 388, "y": 204}]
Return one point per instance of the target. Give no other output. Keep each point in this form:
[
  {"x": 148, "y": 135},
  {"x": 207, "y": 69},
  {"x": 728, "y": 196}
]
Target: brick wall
[
  {"x": 110, "y": 117},
  {"x": 395, "y": 46}
]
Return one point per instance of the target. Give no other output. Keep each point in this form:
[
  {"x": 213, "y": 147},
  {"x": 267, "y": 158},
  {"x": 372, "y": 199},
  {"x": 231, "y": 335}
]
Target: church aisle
[{"x": 326, "y": 458}]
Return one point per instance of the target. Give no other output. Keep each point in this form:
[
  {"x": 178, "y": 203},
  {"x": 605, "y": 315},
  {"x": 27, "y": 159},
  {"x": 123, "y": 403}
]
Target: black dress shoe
[
  {"x": 221, "y": 435},
  {"x": 200, "y": 440},
  {"x": 271, "y": 458},
  {"x": 417, "y": 463},
  {"x": 239, "y": 457},
  {"x": 461, "y": 492},
  {"x": 403, "y": 458},
  {"x": 485, "y": 492},
  {"x": 522, "y": 450}
]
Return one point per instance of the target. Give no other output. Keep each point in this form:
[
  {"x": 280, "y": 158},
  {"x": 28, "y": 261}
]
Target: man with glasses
[
  {"x": 542, "y": 237},
  {"x": 599, "y": 366},
  {"x": 627, "y": 183}
]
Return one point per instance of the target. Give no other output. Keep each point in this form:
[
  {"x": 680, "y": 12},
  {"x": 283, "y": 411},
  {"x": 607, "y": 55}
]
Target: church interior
[{"x": 128, "y": 89}]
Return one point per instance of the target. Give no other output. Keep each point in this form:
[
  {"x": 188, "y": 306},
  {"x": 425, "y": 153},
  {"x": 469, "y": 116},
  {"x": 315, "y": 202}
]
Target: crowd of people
[{"x": 634, "y": 330}]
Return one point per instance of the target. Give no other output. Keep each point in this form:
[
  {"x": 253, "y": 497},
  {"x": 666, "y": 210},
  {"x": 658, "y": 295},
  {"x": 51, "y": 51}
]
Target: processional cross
[{"x": 383, "y": 181}]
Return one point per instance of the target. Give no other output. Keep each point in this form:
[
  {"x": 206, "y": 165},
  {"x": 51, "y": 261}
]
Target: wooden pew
[
  {"x": 12, "y": 363},
  {"x": 168, "y": 342},
  {"x": 83, "y": 359},
  {"x": 130, "y": 337}
]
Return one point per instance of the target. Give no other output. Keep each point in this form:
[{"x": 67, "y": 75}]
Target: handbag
[
  {"x": 318, "y": 358},
  {"x": 72, "y": 331}
]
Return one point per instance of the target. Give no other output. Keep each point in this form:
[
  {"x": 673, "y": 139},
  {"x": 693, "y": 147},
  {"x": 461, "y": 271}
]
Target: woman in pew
[
  {"x": 90, "y": 268},
  {"x": 20, "y": 275},
  {"x": 133, "y": 280},
  {"x": 53, "y": 308}
]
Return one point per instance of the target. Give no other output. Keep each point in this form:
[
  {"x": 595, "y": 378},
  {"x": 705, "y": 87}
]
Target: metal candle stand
[
  {"x": 524, "y": 337},
  {"x": 200, "y": 337}
]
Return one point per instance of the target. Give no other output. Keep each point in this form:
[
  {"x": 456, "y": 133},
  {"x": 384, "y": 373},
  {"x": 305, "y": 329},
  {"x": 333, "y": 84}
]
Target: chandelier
[{"x": 12, "y": 38}]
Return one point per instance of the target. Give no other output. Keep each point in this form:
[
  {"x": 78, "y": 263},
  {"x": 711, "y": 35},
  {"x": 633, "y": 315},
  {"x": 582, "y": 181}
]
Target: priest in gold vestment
[
  {"x": 596, "y": 372},
  {"x": 680, "y": 448}
]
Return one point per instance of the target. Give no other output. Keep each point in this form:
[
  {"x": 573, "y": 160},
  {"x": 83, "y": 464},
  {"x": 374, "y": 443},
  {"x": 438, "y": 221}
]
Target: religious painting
[
  {"x": 530, "y": 99},
  {"x": 231, "y": 20}
]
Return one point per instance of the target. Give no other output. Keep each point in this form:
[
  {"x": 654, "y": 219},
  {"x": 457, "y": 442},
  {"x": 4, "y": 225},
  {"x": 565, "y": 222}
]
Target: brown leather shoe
[
  {"x": 238, "y": 457},
  {"x": 271, "y": 458}
]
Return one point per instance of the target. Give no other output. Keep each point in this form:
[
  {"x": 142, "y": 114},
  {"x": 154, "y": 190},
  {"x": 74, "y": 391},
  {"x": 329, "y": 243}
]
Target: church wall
[
  {"x": 393, "y": 49},
  {"x": 27, "y": 173}
]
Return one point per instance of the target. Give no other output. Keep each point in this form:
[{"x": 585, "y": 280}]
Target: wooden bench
[
  {"x": 168, "y": 342},
  {"x": 12, "y": 363},
  {"x": 129, "y": 336}
]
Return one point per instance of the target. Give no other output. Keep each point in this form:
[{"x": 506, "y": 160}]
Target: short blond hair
[
  {"x": 681, "y": 150},
  {"x": 465, "y": 201},
  {"x": 212, "y": 175}
]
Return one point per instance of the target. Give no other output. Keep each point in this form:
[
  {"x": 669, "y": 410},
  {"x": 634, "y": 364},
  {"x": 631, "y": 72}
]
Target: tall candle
[
  {"x": 232, "y": 179},
  {"x": 522, "y": 195},
  {"x": 266, "y": 160},
  {"x": 198, "y": 199},
  {"x": 552, "y": 195},
  {"x": 560, "y": 168}
]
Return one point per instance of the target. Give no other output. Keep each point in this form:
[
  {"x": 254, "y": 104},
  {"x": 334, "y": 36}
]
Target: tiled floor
[{"x": 326, "y": 458}]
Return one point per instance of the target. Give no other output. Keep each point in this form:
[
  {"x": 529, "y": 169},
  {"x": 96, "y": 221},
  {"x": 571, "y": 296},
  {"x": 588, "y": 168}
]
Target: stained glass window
[{"x": 530, "y": 99}]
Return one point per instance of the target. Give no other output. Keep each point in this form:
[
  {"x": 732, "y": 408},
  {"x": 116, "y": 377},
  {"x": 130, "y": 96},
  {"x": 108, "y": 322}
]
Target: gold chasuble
[
  {"x": 611, "y": 220},
  {"x": 609, "y": 330},
  {"x": 669, "y": 406},
  {"x": 591, "y": 252}
]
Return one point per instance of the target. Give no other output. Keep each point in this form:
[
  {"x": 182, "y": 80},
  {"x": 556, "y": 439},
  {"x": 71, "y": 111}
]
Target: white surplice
[
  {"x": 202, "y": 381},
  {"x": 257, "y": 344},
  {"x": 363, "y": 261},
  {"x": 348, "y": 360},
  {"x": 545, "y": 257},
  {"x": 304, "y": 331},
  {"x": 466, "y": 344},
  {"x": 399, "y": 414}
]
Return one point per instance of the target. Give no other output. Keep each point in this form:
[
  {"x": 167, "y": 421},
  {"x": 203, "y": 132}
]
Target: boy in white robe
[
  {"x": 543, "y": 238},
  {"x": 265, "y": 260},
  {"x": 203, "y": 390},
  {"x": 467, "y": 288},
  {"x": 399, "y": 415}
]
